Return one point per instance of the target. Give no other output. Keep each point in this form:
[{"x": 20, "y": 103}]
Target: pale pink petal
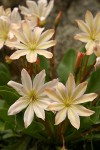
[
  {"x": 18, "y": 87},
  {"x": 61, "y": 90},
  {"x": 40, "y": 113},
  {"x": 39, "y": 80},
  {"x": 18, "y": 54},
  {"x": 70, "y": 85},
  {"x": 79, "y": 90},
  {"x": 31, "y": 56},
  {"x": 73, "y": 118},
  {"x": 60, "y": 116},
  {"x": 28, "y": 115},
  {"x": 46, "y": 45},
  {"x": 20, "y": 36},
  {"x": 18, "y": 106},
  {"x": 83, "y": 37},
  {"x": 44, "y": 102},
  {"x": 37, "y": 33},
  {"x": 82, "y": 111},
  {"x": 26, "y": 80},
  {"x": 41, "y": 7},
  {"x": 24, "y": 10},
  {"x": 53, "y": 95},
  {"x": 49, "y": 7},
  {"x": 15, "y": 16},
  {"x": 16, "y": 45},
  {"x": 89, "y": 19},
  {"x": 32, "y": 6},
  {"x": 85, "y": 98},
  {"x": 45, "y": 53}
]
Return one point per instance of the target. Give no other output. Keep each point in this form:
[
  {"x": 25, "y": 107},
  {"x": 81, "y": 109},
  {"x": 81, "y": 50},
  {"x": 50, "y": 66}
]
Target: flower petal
[
  {"x": 83, "y": 26},
  {"x": 73, "y": 118},
  {"x": 83, "y": 37},
  {"x": 56, "y": 106},
  {"x": 39, "y": 111},
  {"x": 32, "y": 6},
  {"x": 79, "y": 90},
  {"x": 46, "y": 35},
  {"x": 60, "y": 116},
  {"x": 31, "y": 56},
  {"x": 82, "y": 111},
  {"x": 97, "y": 22},
  {"x": 85, "y": 98},
  {"x": 45, "y": 53},
  {"x": 28, "y": 115},
  {"x": 18, "y": 87},
  {"x": 49, "y": 7},
  {"x": 18, "y": 54},
  {"x": 89, "y": 19},
  {"x": 1, "y": 43},
  {"x": 19, "y": 105},
  {"x": 89, "y": 47},
  {"x": 46, "y": 45},
  {"x": 70, "y": 85},
  {"x": 26, "y": 80},
  {"x": 39, "y": 80}
]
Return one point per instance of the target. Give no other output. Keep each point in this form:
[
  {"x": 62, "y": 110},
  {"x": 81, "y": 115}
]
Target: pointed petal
[
  {"x": 82, "y": 111},
  {"x": 46, "y": 45},
  {"x": 73, "y": 118},
  {"x": 89, "y": 19},
  {"x": 39, "y": 80},
  {"x": 24, "y": 10},
  {"x": 32, "y": 6},
  {"x": 46, "y": 35},
  {"x": 44, "y": 102},
  {"x": 83, "y": 37},
  {"x": 19, "y": 35},
  {"x": 56, "y": 106},
  {"x": 45, "y": 53},
  {"x": 53, "y": 95},
  {"x": 49, "y": 7},
  {"x": 26, "y": 80},
  {"x": 61, "y": 90},
  {"x": 31, "y": 56},
  {"x": 79, "y": 90},
  {"x": 28, "y": 115},
  {"x": 97, "y": 22},
  {"x": 89, "y": 47},
  {"x": 1, "y": 44},
  {"x": 39, "y": 111},
  {"x": 18, "y": 106},
  {"x": 60, "y": 116},
  {"x": 83, "y": 26},
  {"x": 70, "y": 85},
  {"x": 16, "y": 45},
  {"x": 85, "y": 98},
  {"x": 18, "y": 54},
  {"x": 37, "y": 33},
  {"x": 18, "y": 87}
]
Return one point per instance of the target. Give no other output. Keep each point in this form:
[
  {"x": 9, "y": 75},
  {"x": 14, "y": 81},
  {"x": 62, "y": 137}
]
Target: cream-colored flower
[
  {"x": 5, "y": 12},
  {"x": 40, "y": 9},
  {"x": 67, "y": 100},
  {"x": 32, "y": 42},
  {"x": 90, "y": 31},
  {"x": 33, "y": 96}
]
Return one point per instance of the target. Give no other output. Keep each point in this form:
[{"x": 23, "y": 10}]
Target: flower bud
[
  {"x": 79, "y": 58},
  {"x": 58, "y": 18}
]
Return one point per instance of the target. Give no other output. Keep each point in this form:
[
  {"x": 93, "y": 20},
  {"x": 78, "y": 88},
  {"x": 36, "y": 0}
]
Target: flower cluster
[{"x": 29, "y": 38}]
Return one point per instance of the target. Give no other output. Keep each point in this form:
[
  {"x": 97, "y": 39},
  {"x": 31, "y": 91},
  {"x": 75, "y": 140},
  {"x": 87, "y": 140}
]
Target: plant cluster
[{"x": 48, "y": 101}]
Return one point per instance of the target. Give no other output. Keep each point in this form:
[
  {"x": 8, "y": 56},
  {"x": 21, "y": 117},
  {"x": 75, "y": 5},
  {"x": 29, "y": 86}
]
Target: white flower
[
  {"x": 67, "y": 100},
  {"x": 32, "y": 96},
  {"x": 90, "y": 31},
  {"x": 39, "y": 9},
  {"x": 32, "y": 42}
]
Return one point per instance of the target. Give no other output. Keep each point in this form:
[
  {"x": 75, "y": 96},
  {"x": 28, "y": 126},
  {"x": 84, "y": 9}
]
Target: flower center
[
  {"x": 67, "y": 102},
  {"x": 33, "y": 96}
]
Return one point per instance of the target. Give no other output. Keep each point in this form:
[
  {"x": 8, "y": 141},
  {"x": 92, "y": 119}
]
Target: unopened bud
[
  {"x": 58, "y": 18},
  {"x": 8, "y": 60},
  {"x": 79, "y": 58},
  {"x": 41, "y": 22}
]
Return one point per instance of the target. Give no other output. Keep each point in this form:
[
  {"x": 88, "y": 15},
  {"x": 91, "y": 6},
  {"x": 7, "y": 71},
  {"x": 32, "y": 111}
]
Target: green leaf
[
  {"x": 95, "y": 118},
  {"x": 4, "y": 74},
  {"x": 66, "y": 66},
  {"x": 94, "y": 82},
  {"x": 8, "y": 94}
]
